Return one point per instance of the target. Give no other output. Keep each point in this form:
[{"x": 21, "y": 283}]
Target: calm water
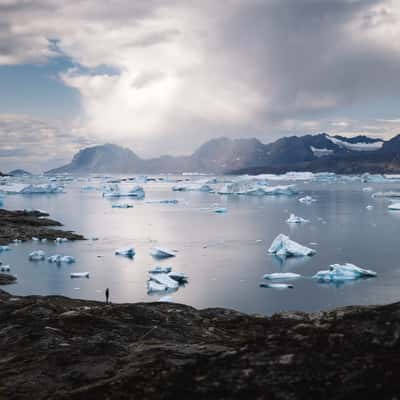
[{"x": 224, "y": 255}]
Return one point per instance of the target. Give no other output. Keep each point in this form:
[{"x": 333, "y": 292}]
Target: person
[{"x": 107, "y": 295}]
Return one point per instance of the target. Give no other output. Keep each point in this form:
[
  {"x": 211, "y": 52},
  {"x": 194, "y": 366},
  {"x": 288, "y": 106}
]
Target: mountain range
[{"x": 321, "y": 152}]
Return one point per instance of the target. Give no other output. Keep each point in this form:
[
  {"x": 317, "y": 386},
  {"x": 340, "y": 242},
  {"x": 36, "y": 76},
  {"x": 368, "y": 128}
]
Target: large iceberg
[
  {"x": 42, "y": 189},
  {"x": 394, "y": 206},
  {"x": 115, "y": 191},
  {"x": 294, "y": 219},
  {"x": 256, "y": 188},
  {"x": 337, "y": 272},
  {"x": 192, "y": 187},
  {"x": 284, "y": 246}
]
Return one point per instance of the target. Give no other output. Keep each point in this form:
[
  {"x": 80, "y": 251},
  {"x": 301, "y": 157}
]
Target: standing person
[{"x": 107, "y": 295}]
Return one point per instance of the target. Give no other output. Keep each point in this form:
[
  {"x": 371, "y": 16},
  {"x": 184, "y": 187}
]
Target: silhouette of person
[{"x": 107, "y": 295}]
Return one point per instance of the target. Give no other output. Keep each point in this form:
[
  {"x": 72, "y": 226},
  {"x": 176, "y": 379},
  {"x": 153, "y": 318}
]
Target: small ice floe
[
  {"x": 17, "y": 241},
  {"x": 58, "y": 259},
  {"x": 126, "y": 252},
  {"x": 277, "y": 285},
  {"x": 294, "y": 219},
  {"x": 284, "y": 246},
  {"x": 160, "y": 270},
  {"x": 79, "y": 274},
  {"x": 220, "y": 210},
  {"x": 281, "y": 276},
  {"x": 192, "y": 187},
  {"x": 160, "y": 253},
  {"x": 5, "y": 268},
  {"x": 394, "y": 206},
  {"x": 369, "y": 207},
  {"x": 124, "y": 205},
  {"x": 114, "y": 191},
  {"x": 43, "y": 240},
  {"x": 37, "y": 255},
  {"x": 153, "y": 286},
  {"x": 307, "y": 200},
  {"x": 42, "y": 189},
  {"x": 164, "y": 279},
  {"x": 166, "y": 299},
  {"x": 35, "y": 239},
  {"x": 60, "y": 240},
  {"x": 166, "y": 201},
  {"x": 337, "y": 272},
  {"x": 368, "y": 189},
  {"x": 4, "y": 248},
  {"x": 386, "y": 194}
]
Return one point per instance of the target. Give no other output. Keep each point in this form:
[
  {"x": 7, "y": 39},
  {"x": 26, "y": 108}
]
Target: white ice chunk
[
  {"x": 386, "y": 194},
  {"x": 277, "y": 285},
  {"x": 180, "y": 277},
  {"x": 369, "y": 207},
  {"x": 220, "y": 210},
  {"x": 337, "y": 272},
  {"x": 115, "y": 191},
  {"x": 42, "y": 189},
  {"x": 123, "y": 205},
  {"x": 164, "y": 279},
  {"x": 153, "y": 286},
  {"x": 294, "y": 219},
  {"x": 127, "y": 252},
  {"x": 4, "y": 248},
  {"x": 192, "y": 187},
  {"x": 5, "y": 268},
  {"x": 282, "y": 276},
  {"x": 61, "y": 240},
  {"x": 394, "y": 206},
  {"x": 159, "y": 253},
  {"x": 307, "y": 200},
  {"x": 35, "y": 239},
  {"x": 37, "y": 255},
  {"x": 283, "y": 246},
  {"x": 368, "y": 189},
  {"x": 58, "y": 259},
  {"x": 79, "y": 275}
]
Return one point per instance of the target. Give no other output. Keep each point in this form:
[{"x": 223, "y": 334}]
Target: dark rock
[
  {"x": 55, "y": 347},
  {"x": 6, "y": 279}
]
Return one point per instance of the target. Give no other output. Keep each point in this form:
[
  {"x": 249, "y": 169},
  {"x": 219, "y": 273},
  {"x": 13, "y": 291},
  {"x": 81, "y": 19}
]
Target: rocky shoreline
[
  {"x": 59, "y": 348},
  {"x": 24, "y": 224}
]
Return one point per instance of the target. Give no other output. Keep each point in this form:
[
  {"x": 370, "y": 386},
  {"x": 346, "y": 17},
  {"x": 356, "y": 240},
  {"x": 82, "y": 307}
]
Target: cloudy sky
[{"x": 162, "y": 76}]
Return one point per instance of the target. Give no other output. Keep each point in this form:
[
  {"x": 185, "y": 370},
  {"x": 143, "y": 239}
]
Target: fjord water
[{"x": 224, "y": 255}]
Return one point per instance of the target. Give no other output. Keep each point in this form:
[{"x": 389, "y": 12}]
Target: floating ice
[
  {"x": 368, "y": 189},
  {"x": 125, "y": 205},
  {"x": 166, "y": 201},
  {"x": 153, "y": 286},
  {"x": 58, "y": 259},
  {"x": 167, "y": 299},
  {"x": 79, "y": 274},
  {"x": 160, "y": 270},
  {"x": 283, "y": 246},
  {"x": 127, "y": 252},
  {"x": 394, "y": 206},
  {"x": 277, "y": 285},
  {"x": 37, "y": 255},
  {"x": 180, "y": 277},
  {"x": 115, "y": 191},
  {"x": 293, "y": 219},
  {"x": 337, "y": 272},
  {"x": 386, "y": 194},
  {"x": 220, "y": 210},
  {"x": 17, "y": 241},
  {"x": 42, "y": 189},
  {"x": 4, "y": 248},
  {"x": 60, "y": 240},
  {"x": 165, "y": 280},
  {"x": 5, "y": 268},
  {"x": 35, "y": 239},
  {"x": 307, "y": 200},
  {"x": 281, "y": 276},
  {"x": 192, "y": 187},
  {"x": 157, "y": 252},
  {"x": 255, "y": 188},
  {"x": 369, "y": 207}
]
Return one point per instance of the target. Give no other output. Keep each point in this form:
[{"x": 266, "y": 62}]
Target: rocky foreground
[
  {"x": 59, "y": 348},
  {"x": 24, "y": 225}
]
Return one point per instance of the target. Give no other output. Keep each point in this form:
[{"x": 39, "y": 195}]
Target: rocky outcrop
[
  {"x": 59, "y": 348},
  {"x": 6, "y": 279},
  {"x": 23, "y": 225}
]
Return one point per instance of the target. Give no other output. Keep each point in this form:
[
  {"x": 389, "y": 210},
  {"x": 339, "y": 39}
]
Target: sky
[{"x": 163, "y": 76}]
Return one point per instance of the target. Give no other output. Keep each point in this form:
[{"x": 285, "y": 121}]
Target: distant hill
[
  {"x": 320, "y": 152},
  {"x": 19, "y": 172}
]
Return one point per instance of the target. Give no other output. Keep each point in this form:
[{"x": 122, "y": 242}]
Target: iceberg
[
  {"x": 394, "y": 206},
  {"x": 35, "y": 239},
  {"x": 115, "y": 191},
  {"x": 256, "y": 188},
  {"x": 126, "y": 252},
  {"x": 369, "y": 207},
  {"x": 283, "y": 246},
  {"x": 42, "y": 189},
  {"x": 386, "y": 194},
  {"x": 165, "y": 280},
  {"x": 166, "y": 201},
  {"x": 60, "y": 240},
  {"x": 293, "y": 219},
  {"x": 79, "y": 274},
  {"x": 4, "y": 268},
  {"x": 124, "y": 205},
  {"x": 159, "y": 253},
  {"x": 277, "y": 285},
  {"x": 153, "y": 286},
  {"x": 58, "y": 259},
  {"x": 192, "y": 187},
  {"x": 160, "y": 270},
  {"x": 368, "y": 189},
  {"x": 4, "y": 248},
  {"x": 307, "y": 200},
  {"x": 220, "y": 210},
  {"x": 37, "y": 255},
  {"x": 337, "y": 272},
  {"x": 281, "y": 276}
]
